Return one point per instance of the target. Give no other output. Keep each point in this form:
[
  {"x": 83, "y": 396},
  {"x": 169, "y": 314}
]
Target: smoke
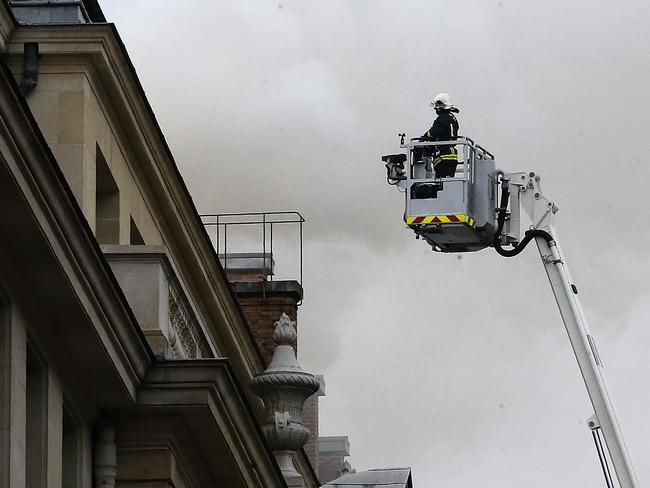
[{"x": 459, "y": 368}]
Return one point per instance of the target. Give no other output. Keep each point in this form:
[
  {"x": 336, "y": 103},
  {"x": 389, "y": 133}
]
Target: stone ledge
[
  {"x": 291, "y": 289},
  {"x": 159, "y": 300}
]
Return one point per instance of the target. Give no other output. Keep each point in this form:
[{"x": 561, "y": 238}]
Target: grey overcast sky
[{"x": 457, "y": 366}]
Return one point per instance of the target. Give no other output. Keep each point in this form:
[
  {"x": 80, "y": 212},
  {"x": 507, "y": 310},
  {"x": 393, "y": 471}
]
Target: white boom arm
[{"x": 525, "y": 191}]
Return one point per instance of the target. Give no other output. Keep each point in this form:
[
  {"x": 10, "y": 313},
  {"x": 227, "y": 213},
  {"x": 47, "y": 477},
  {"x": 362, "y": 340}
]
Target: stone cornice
[
  {"x": 248, "y": 289},
  {"x": 162, "y": 184},
  {"x": 209, "y": 387},
  {"x": 212, "y": 383},
  {"x": 7, "y": 24}
]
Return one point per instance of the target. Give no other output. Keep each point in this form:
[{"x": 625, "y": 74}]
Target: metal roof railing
[{"x": 222, "y": 227}]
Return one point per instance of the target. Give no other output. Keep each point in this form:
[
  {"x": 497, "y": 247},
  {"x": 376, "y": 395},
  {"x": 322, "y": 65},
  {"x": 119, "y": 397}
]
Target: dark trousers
[{"x": 445, "y": 169}]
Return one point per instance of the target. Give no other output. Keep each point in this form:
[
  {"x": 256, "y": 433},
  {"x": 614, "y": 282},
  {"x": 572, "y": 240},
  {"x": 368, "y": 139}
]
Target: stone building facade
[{"x": 125, "y": 357}]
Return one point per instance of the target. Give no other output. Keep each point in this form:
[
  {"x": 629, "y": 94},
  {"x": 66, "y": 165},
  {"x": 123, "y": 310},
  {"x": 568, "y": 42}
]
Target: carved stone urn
[{"x": 284, "y": 387}]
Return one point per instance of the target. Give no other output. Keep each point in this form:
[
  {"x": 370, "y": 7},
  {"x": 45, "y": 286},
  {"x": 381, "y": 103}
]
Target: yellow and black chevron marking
[{"x": 440, "y": 219}]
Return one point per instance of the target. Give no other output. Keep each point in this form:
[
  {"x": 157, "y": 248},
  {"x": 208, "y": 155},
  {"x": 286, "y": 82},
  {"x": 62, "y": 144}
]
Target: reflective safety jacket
[{"x": 444, "y": 128}]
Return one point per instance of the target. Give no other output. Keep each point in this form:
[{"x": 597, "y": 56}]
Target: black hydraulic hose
[{"x": 501, "y": 219}]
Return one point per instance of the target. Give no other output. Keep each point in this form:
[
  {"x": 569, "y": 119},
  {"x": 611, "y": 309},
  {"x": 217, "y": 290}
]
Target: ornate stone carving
[
  {"x": 180, "y": 336},
  {"x": 284, "y": 387},
  {"x": 285, "y": 332}
]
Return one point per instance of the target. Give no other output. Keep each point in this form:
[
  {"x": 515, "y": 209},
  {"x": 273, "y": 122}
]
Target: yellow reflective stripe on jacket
[{"x": 445, "y": 157}]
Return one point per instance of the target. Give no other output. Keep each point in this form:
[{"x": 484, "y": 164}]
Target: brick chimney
[{"x": 262, "y": 300}]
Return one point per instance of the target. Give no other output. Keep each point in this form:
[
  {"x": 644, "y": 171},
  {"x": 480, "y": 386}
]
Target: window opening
[
  {"x": 107, "y": 202},
  {"x": 35, "y": 449},
  {"x": 70, "y": 450},
  {"x": 135, "y": 236}
]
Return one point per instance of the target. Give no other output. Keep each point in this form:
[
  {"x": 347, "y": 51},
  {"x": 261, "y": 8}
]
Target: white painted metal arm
[{"x": 525, "y": 190}]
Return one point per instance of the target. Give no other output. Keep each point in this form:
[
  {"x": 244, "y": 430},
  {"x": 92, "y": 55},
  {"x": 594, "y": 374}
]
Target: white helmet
[{"x": 442, "y": 100}]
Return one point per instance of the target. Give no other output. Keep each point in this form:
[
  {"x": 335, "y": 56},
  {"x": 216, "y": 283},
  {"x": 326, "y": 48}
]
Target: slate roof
[{"x": 374, "y": 478}]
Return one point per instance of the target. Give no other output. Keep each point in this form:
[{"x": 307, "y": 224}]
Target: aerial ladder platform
[{"x": 481, "y": 206}]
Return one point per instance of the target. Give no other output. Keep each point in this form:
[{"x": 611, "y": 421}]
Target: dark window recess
[
  {"x": 107, "y": 209},
  {"x": 35, "y": 449},
  {"x": 136, "y": 238},
  {"x": 71, "y": 460}
]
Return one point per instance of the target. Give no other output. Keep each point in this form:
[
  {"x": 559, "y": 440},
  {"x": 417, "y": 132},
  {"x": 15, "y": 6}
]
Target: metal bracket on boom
[
  {"x": 526, "y": 193},
  {"x": 593, "y": 423},
  {"x": 594, "y": 427}
]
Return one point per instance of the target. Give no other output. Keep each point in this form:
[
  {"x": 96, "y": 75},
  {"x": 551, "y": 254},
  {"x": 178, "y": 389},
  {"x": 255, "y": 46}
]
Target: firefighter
[{"x": 444, "y": 128}]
